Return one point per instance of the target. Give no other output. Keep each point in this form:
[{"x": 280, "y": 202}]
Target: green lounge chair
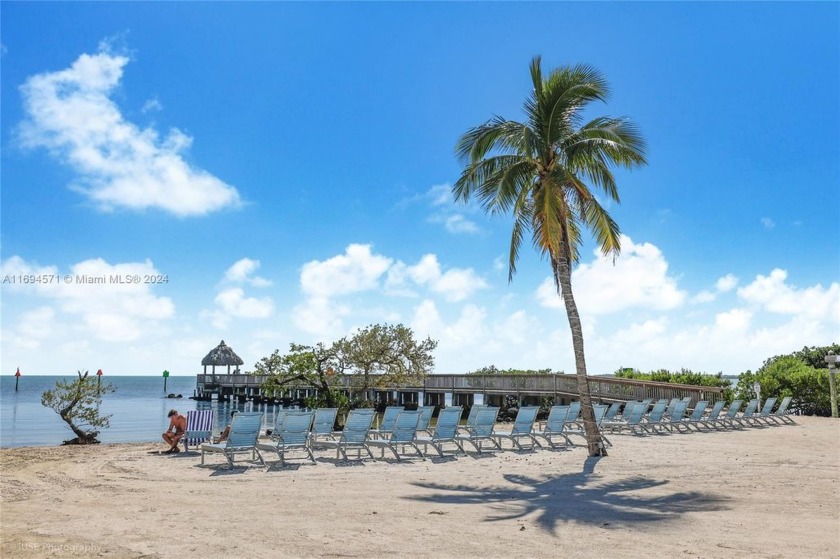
[
  {"x": 445, "y": 429},
  {"x": 402, "y": 435},
  {"x": 244, "y": 431},
  {"x": 294, "y": 435}
]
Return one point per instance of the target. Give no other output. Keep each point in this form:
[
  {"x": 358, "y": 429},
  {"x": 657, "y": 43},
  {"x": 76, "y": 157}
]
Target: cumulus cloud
[
  {"x": 455, "y": 284},
  {"x": 358, "y": 269},
  {"x": 639, "y": 278},
  {"x": 242, "y": 271},
  {"x": 773, "y": 294},
  {"x": 120, "y": 166},
  {"x": 109, "y": 309},
  {"x": 726, "y": 283}
]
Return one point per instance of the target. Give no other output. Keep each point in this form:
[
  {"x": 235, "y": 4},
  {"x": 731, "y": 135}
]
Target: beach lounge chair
[
  {"x": 482, "y": 430},
  {"x": 764, "y": 414},
  {"x": 631, "y": 422},
  {"x": 323, "y": 423},
  {"x": 474, "y": 409},
  {"x": 577, "y": 428},
  {"x": 697, "y": 415},
  {"x": 652, "y": 422},
  {"x": 389, "y": 417},
  {"x": 354, "y": 436},
  {"x": 279, "y": 418},
  {"x": 402, "y": 435},
  {"x": 729, "y": 417},
  {"x": 612, "y": 411},
  {"x": 573, "y": 417},
  {"x": 782, "y": 415},
  {"x": 445, "y": 429},
  {"x": 199, "y": 428},
  {"x": 554, "y": 427},
  {"x": 710, "y": 420},
  {"x": 675, "y": 421},
  {"x": 244, "y": 431},
  {"x": 426, "y": 413},
  {"x": 523, "y": 424},
  {"x": 745, "y": 418},
  {"x": 294, "y": 435}
]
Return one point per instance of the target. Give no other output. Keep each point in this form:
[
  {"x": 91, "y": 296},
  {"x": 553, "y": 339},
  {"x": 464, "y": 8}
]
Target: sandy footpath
[{"x": 760, "y": 492}]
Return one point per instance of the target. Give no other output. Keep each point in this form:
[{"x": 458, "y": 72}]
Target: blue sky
[{"x": 287, "y": 167}]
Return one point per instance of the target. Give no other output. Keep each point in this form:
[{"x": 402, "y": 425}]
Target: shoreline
[{"x": 769, "y": 492}]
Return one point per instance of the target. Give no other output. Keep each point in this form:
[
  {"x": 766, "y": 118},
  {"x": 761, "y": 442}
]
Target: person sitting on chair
[
  {"x": 177, "y": 429},
  {"x": 223, "y": 437}
]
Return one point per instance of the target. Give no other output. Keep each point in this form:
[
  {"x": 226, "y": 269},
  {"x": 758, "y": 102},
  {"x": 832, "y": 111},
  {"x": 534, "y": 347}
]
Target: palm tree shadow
[{"x": 577, "y": 497}]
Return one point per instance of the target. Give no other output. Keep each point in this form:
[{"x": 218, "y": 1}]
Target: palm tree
[{"x": 543, "y": 171}]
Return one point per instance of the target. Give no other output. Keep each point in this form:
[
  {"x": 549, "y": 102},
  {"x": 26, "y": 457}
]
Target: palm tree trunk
[{"x": 563, "y": 277}]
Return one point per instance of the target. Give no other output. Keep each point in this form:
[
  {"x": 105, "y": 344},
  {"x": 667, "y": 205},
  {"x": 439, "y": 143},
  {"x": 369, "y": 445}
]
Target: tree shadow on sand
[{"x": 579, "y": 497}]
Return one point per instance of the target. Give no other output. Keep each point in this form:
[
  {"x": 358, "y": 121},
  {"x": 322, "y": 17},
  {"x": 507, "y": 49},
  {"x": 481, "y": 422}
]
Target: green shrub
[{"x": 789, "y": 375}]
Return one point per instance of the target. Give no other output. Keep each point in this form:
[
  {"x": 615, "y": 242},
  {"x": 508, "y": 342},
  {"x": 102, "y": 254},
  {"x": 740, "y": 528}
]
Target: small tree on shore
[{"x": 77, "y": 403}]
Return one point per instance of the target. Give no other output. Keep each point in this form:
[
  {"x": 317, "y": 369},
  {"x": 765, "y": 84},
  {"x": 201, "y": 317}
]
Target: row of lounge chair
[
  {"x": 668, "y": 417},
  {"x": 401, "y": 430}
]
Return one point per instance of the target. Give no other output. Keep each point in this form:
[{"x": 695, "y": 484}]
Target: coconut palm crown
[{"x": 544, "y": 171}]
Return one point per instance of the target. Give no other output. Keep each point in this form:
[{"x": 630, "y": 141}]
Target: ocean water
[{"x": 138, "y": 410}]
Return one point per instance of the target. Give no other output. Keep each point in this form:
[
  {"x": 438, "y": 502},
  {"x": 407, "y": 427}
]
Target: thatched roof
[{"x": 222, "y": 355}]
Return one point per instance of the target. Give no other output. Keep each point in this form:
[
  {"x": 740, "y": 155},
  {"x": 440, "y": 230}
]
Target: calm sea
[{"x": 138, "y": 407}]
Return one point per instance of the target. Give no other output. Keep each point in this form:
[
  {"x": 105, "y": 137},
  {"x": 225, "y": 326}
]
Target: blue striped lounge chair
[
  {"x": 652, "y": 422},
  {"x": 292, "y": 436},
  {"x": 697, "y": 415},
  {"x": 244, "y": 432},
  {"x": 523, "y": 425},
  {"x": 612, "y": 411},
  {"x": 675, "y": 420},
  {"x": 729, "y": 417},
  {"x": 445, "y": 429},
  {"x": 483, "y": 430},
  {"x": 577, "y": 427},
  {"x": 631, "y": 422},
  {"x": 402, "y": 435},
  {"x": 354, "y": 436},
  {"x": 199, "y": 428},
  {"x": 573, "y": 417}
]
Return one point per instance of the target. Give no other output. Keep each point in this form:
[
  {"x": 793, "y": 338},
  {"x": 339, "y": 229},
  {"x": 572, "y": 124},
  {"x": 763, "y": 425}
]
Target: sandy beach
[{"x": 759, "y": 492}]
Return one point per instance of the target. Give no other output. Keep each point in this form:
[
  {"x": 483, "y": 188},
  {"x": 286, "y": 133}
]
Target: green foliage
[
  {"x": 789, "y": 375},
  {"x": 492, "y": 370},
  {"x": 379, "y": 355},
  {"x": 77, "y": 403},
  {"x": 389, "y": 352},
  {"x": 683, "y": 376},
  {"x": 317, "y": 366}
]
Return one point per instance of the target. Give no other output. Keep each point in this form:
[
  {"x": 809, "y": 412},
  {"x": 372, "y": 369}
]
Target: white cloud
[
  {"x": 97, "y": 296},
  {"x": 232, "y": 303},
  {"x": 242, "y": 271},
  {"x": 726, "y": 283},
  {"x": 150, "y": 105},
  {"x": 768, "y": 223},
  {"x": 120, "y": 166},
  {"x": 356, "y": 270},
  {"x": 639, "y": 278},
  {"x": 774, "y": 295},
  {"x": 457, "y": 223},
  {"x": 454, "y": 284}
]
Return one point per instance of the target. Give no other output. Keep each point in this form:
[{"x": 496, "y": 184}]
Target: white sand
[{"x": 771, "y": 492}]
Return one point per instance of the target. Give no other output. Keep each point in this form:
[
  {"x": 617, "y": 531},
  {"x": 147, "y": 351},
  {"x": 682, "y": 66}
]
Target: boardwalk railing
[{"x": 601, "y": 388}]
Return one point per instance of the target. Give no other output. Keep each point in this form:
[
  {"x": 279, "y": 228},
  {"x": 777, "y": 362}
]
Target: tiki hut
[{"x": 220, "y": 356}]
